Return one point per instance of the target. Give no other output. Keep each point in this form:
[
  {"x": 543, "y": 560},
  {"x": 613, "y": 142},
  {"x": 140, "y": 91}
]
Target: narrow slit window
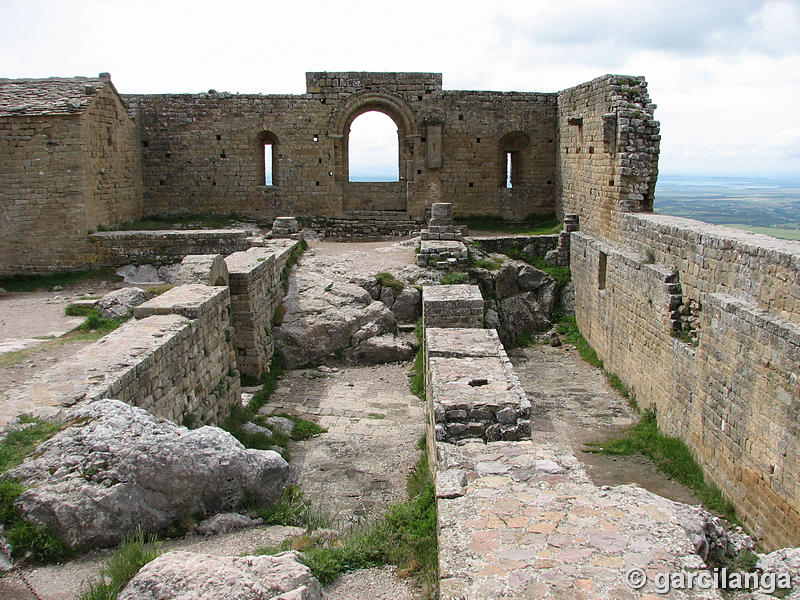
[
  {"x": 508, "y": 169},
  {"x": 601, "y": 271},
  {"x": 267, "y": 164}
]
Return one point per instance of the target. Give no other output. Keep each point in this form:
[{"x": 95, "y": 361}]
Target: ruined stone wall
[
  {"x": 114, "y": 248},
  {"x": 204, "y": 152},
  {"x": 111, "y": 162},
  {"x": 734, "y": 397},
  {"x": 608, "y": 145},
  {"x": 42, "y": 205},
  {"x": 478, "y": 129},
  {"x": 175, "y": 359},
  {"x": 256, "y": 291}
]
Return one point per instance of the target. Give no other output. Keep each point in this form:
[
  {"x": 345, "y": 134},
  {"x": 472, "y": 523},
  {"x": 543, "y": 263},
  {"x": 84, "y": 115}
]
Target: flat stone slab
[
  {"x": 249, "y": 260},
  {"x": 460, "y": 342},
  {"x": 452, "y": 293},
  {"x": 442, "y": 247},
  {"x": 189, "y": 300},
  {"x": 529, "y": 523}
]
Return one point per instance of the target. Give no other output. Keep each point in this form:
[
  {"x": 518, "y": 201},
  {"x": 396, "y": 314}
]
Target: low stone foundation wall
[
  {"x": 452, "y": 306},
  {"x": 471, "y": 387},
  {"x": 532, "y": 245},
  {"x": 163, "y": 247},
  {"x": 370, "y": 227},
  {"x": 176, "y": 360},
  {"x": 255, "y": 284}
]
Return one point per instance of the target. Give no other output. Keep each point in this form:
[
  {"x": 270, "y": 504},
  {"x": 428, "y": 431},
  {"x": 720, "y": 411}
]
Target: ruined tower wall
[
  {"x": 64, "y": 175},
  {"x": 608, "y": 146},
  {"x": 203, "y": 153},
  {"x": 734, "y": 397}
]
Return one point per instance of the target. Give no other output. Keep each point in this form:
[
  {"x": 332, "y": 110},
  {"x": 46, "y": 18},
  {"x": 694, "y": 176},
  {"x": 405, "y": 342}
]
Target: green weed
[
  {"x": 454, "y": 278},
  {"x": 95, "y": 322},
  {"x": 135, "y": 552},
  {"x": 78, "y": 310},
  {"x": 388, "y": 280},
  {"x": 671, "y": 456},
  {"x": 26, "y": 539},
  {"x": 405, "y": 536},
  {"x": 417, "y": 381}
]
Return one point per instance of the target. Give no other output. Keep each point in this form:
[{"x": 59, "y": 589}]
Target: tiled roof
[{"x": 52, "y": 96}]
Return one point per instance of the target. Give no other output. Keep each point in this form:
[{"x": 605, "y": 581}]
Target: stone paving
[
  {"x": 522, "y": 520},
  {"x": 374, "y": 424}
]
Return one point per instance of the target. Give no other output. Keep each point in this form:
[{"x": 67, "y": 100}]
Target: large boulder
[
  {"x": 120, "y": 303},
  {"x": 117, "y": 468},
  {"x": 519, "y": 315},
  {"x": 544, "y": 287},
  {"x": 407, "y": 306},
  {"x": 186, "y": 575},
  {"x": 324, "y": 317}
]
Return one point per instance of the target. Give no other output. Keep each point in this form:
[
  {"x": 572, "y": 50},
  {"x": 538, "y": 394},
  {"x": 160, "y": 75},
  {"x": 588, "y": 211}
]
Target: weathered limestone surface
[
  {"x": 120, "y": 303},
  {"x": 117, "y": 468},
  {"x": 206, "y": 269},
  {"x": 175, "y": 360},
  {"x": 324, "y": 317},
  {"x": 522, "y": 520},
  {"x": 205, "y": 577},
  {"x": 452, "y": 306}
]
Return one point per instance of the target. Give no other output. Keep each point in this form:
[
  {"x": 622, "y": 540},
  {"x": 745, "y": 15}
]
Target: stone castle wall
[
  {"x": 734, "y": 397},
  {"x": 63, "y": 176},
  {"x": 256, "y": 291}
]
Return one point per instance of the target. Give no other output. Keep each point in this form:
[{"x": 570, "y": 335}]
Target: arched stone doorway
[{"x": 374, "y": 196}]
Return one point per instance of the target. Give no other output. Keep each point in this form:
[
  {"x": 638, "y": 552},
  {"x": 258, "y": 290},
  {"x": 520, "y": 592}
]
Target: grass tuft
[
  {"x": 491, "y": 264},
  {"x": 417, "y": 381},
  {"x": 78, "y": 310},
  {"x": 95, "y": 322},
  {"x": 295, "y": 511},
  {"x": 671, "y": 456},
  {"x": 562, "y": 275},
  {"x": 388, "y": 280},
  {"x": 27, "y": 540},
  {"x": 405, "y": 537},
  {"x": 454, "y": 278},
  {"x": 135, "y": 552}
]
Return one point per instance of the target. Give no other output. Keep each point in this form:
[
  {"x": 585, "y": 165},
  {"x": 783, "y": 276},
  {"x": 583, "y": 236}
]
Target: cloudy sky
[{"x": 724, "y": 73}]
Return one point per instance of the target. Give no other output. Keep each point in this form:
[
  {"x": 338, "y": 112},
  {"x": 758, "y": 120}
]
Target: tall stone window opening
[
  {"x": 514, "y": 166},
  {"x": 373, "y": 148},
  {"x": 268, "y": 163},
  {"x": 601, "y": 271}
]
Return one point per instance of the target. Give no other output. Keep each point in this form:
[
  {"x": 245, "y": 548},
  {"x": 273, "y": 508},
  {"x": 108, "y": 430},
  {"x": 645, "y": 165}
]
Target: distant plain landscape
[{"x": 768, "y": 205}]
